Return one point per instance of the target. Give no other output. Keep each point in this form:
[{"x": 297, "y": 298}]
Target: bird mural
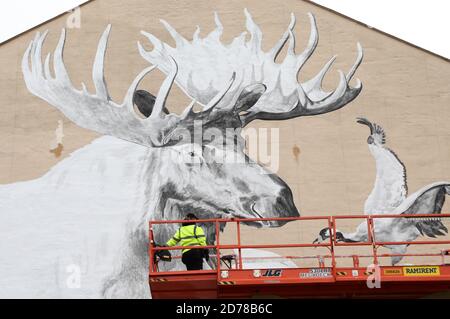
[{"x": 390, "y": 196}]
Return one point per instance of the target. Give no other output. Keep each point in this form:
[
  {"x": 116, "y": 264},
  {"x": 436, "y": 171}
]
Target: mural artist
[{"x": 189, "y": 234}]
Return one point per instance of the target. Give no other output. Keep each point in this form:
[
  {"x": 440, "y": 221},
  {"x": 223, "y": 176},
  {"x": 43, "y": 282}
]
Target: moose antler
[
  {"x": 97, "y": 111},
  {"x": 206, "y": 70},
  {"x": 205, "y": 63}
]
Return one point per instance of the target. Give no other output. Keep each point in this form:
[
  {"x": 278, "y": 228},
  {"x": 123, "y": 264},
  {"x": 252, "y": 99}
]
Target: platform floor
[{"x": 387, "y": 282}]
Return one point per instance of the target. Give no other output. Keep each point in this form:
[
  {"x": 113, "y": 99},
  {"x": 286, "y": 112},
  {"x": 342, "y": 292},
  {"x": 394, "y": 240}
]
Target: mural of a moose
[{"x": 151, "y": 164}]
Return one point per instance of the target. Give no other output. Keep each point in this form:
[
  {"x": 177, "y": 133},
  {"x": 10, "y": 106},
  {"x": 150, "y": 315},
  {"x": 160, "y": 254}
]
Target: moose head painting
[{"x": 151, "y": 163}]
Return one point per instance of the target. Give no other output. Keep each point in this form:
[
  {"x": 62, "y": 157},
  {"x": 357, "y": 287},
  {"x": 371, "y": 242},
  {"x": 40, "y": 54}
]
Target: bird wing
[
  {"x": 390, "y": 188},
  {"x": 428, "y": 200}
]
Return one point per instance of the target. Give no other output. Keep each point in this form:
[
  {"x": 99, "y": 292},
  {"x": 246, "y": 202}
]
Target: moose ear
[
  {"x": 145, "y": 101},
  {"x": 249, "y": 96}
]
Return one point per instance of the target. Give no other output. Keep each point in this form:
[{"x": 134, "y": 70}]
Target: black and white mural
[
  {"x": 93, "y": 208},
  {"x": 86, "y": 220},
  {"x": 390, "y": 196}
]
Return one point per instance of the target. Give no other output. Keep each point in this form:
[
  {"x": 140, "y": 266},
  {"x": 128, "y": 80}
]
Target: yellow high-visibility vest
[{"x": 190, "y": 235}]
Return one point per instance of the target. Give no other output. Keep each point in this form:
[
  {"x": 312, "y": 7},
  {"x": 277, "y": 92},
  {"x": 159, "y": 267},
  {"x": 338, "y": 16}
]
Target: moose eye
[{"x": 192, "y": 154}]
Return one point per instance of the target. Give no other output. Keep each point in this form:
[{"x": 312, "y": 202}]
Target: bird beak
[
  {"x": 316, "y": 241},
  {"x": 364, "y": 121}
]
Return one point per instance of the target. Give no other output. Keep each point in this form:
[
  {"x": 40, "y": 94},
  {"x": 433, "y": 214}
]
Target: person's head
[{"x": 189, "y": 219}]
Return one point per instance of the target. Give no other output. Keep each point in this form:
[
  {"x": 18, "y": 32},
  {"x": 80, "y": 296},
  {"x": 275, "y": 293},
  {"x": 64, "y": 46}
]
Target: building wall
[{"x": 324, "y": 159}]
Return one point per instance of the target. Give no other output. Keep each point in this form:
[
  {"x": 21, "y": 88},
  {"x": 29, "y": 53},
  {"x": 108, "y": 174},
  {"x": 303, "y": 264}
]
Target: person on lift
[{"x": 189, "y": 234}]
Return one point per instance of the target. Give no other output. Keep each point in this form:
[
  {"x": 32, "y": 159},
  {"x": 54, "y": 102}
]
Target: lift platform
[{"x": 327, "y": 279}]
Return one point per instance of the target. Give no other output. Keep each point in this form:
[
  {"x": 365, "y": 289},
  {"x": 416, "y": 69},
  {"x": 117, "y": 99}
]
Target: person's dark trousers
[{"x": 193, "y": 259}]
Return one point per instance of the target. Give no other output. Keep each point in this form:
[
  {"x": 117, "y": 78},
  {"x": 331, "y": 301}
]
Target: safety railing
[
  {"x": 331, "y": 243},
  {"x": 375, "y": 244}
]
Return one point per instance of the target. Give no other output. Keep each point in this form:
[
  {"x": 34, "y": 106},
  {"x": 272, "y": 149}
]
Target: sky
[
  {"x": 424, "y": 23},
  {"x": 17, "y": 16}
]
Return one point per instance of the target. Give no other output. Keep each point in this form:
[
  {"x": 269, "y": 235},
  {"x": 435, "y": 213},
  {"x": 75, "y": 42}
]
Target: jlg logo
[{"x": 272, "y": 273}]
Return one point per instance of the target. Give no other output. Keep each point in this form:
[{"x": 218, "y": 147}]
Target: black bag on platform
[
  {"x": 163, "y": 255},
  {"x": 206, "y": 254}
]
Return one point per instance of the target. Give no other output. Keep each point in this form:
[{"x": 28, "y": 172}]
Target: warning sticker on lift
[
  {"x": 393, "y": 272},
  {"x": 316, "y": 273},
  {"x": 421, "y": 271}
]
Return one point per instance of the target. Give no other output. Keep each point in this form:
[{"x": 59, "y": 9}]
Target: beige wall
[{"x": 406, "y": 90}]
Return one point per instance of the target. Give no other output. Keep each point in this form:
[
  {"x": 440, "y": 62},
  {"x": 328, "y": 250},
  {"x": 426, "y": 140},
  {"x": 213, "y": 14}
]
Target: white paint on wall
[
  {"x": 422, "y": 23},
  {"x": 21, "y": 15}
]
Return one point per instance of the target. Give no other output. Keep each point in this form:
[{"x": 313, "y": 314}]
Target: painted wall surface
[{"x": 324, "y": 159}]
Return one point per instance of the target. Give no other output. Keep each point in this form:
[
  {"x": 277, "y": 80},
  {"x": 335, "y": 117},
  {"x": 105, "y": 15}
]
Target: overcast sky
[
  {"x": 17, "y": 16},
  {"x": 425, "y": 23}
]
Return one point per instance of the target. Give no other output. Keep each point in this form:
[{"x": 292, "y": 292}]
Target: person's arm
[
  {"x": 201, "y": 236},
  {"x": 174, "y": 240}
]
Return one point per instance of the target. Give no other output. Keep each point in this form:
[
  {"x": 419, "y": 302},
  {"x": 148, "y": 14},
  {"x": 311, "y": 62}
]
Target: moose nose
[{"x": 284, "y": 207}]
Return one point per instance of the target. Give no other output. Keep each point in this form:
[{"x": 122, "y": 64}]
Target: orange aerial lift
[{"x": 231, "y": 280}]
